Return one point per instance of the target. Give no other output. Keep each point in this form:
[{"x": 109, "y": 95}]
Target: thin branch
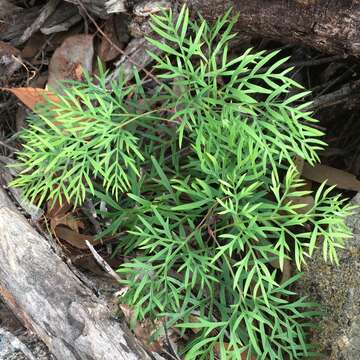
[
  {"x": 46, "y": 11},
  {"x": 173, "y": 353},
  {"x": 296, "y": 64},
  {"x": 337, "y": 96},
  {"x": 7, "y": 146},
  {"x": 102, "y": 262},
  {"x": 121, "y": 51}
]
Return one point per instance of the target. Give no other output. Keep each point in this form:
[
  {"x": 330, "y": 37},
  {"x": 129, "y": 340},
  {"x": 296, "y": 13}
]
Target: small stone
[{"x": 343, "y": 342}]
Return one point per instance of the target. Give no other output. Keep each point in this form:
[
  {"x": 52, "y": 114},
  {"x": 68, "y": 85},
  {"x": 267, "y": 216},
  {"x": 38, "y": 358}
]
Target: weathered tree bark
[
  {"x": 331, "y": 26},
  {"x": 50, "y": 300}
]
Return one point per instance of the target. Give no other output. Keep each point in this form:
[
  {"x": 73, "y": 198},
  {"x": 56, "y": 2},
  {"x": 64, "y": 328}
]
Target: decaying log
[
  {"x": 10, "y": 343},
  {"x": 330, "y": 26},
  {"x": 49, "y": 299}
]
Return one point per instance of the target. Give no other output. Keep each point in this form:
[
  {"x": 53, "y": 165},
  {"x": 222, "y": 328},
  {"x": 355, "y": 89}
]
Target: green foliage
[{"x": 199, "y": 171}]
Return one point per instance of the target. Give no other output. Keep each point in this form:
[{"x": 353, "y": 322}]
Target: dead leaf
[
  {"x": 66, "y": 225},
  {"x": 58, "y": 207},
  {"x": 307, "y": 201},
  {"x": 340, "y": 178},
  {"x": 32, "y": 97},
  {"x": 73, "y": 238},
  {"x": 78, "y": 72},
  {"x": 286, "y": 274},
  {"x": 67, "y": 220},
  {"x": 76, "y": 51}
]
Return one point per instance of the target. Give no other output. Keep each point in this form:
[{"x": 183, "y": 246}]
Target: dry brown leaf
[
  {"x": 32, "y": 97},
  {"x": 107, "y": 51},
  {"x": 73, "y": 238},
  {"x": 340, "y": 178},
  {"x": 78, "y": 72},
  {"x": 58, "y": 208},
  {"x": 76, "y": 51},
  {"x": 65, "y": 225},
  {"x": 61, "y": 214},
  {"x": 307, "y": 201},
  {"x": 67, "y": 220}
]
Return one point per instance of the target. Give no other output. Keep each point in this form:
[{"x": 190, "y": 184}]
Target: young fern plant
[{"x": 200, "y": 174}]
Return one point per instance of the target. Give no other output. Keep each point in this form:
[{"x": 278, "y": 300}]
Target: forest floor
[{"x": 39, "y": 47}]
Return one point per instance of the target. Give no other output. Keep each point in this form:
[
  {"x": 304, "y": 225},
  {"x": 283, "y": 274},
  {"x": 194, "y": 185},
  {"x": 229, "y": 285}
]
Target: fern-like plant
[{"x": 200, "y": 173}]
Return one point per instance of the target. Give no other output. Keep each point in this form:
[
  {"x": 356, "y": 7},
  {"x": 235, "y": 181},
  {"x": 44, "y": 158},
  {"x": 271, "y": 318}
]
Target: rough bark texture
[
  {"x": 50, "y": 300},
  {"x": 328, "y": 25}
]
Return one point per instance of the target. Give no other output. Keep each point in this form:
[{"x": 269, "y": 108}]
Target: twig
[
  {"x": 306, "y": 63},
  {"x": 64, "y": 18},
  {"x": 7, "y": 146},
  {"x": 121, "y": 51},
  {"x": 136, "y": 49},
  {"x": 336, "y": 96},
  {"x": 6, "y": 104},
  {"x": 46, "y": 11},
  {"x": 173, "y": 353},
  {"x": 324, "y": 87},
  {"x": 102, "y": 262},
  {"x": 313, "y": 62}
]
